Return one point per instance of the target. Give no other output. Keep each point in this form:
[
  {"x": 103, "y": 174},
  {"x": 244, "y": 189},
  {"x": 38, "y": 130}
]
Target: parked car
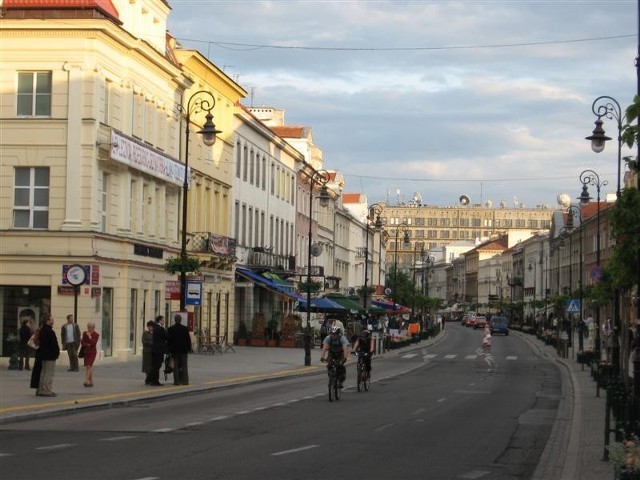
[
  {"x": 480, "y": 321},
  {"x": 499, "y": 325}
]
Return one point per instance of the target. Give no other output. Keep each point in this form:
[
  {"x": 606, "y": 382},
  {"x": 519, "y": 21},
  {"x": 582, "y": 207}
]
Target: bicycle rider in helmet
[
  {"x": 366, "y": 345},
  {"x": 335, "y": 345}
]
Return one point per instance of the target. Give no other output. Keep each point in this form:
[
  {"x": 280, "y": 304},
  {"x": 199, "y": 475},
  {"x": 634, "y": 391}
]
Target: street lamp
[
  {"x": 576, "y": 212},
  {"x": 589, "y": 177},
  {"x": 607, "y": 107},
  {"x": 373, "y": 211},
  {"x": 200, "y": 101},
  {"x": 321, "y": 177},
  {"x": 405, "y": 240}
]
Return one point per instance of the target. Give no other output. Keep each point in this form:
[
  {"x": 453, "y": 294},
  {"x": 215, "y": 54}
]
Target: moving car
[
  {"x": 499, "y": 325},
  {"x": 480, "y": 321}
]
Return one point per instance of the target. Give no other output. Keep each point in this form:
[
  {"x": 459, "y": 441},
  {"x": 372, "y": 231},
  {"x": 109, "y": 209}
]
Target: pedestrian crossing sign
[{"x": 572, "y": 306}]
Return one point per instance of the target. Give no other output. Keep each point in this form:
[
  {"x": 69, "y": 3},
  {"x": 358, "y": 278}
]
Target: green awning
[{"x": 345, "y": 302}]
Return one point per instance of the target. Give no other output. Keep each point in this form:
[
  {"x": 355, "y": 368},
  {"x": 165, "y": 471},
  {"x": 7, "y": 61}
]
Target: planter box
[
  {"x": 258, "y": 342},
  {"x": 243, "y": 342}
]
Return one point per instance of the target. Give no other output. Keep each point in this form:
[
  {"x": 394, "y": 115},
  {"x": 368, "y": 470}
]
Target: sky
[{"x": 434, "y": 99}]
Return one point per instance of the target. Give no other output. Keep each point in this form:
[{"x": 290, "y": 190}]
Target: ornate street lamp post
[
  {"x": 321, "y": 177},
  {"x": 405, "y": 240},
  {"x": 200, "y": 101},
  {"x": 373, "y": 211},
  {"x": 589, "y": 177},
  {"x": 606, "y": 107}
]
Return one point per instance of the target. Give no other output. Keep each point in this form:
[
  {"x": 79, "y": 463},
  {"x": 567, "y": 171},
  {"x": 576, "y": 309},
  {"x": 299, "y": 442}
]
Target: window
[
  {"x": 31, "y": 198},
  {"x": 34, "y": 93}
]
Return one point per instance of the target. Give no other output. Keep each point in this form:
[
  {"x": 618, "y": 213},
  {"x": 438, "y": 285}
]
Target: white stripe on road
[
  {"x": 471, "y": 357},
  {"x": 431, "y": 355},
  {"x": 163, "y": 430},
  {"x": 7, "y": 454},
  {"x": 220, "y": 417},
  {"x": 116, "y": 439},
  {"x": 512, "y": 357},
  {"x": 410, "y": 355},
  {"x": 57, "y": 447},
  {"x": 294, "y": 450},
  {"x": 449, "y": 357}
]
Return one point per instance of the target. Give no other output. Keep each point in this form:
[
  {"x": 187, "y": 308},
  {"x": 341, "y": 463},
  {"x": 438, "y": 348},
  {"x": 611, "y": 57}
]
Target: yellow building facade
[{"x": 92, "y": 132}]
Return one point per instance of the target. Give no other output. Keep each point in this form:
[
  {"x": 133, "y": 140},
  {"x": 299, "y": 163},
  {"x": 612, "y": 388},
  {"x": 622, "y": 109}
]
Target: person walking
[
  {"x": 158, "y": 351},
  {"x": 89, "y": 342},
  {"x": 147, "y": 352},
  {"x": 24, "y": 334},
  {"x": 70, "y": 337},
  {"x": 179, "y": 345},
  {"x": 46, "y": 355}
]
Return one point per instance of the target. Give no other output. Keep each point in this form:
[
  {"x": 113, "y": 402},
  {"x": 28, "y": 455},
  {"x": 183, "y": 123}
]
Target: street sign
[
  {"x": 194, "y": 293},
  {"x": 572, "y": 306},
  {"x": 596, "y": 274}
]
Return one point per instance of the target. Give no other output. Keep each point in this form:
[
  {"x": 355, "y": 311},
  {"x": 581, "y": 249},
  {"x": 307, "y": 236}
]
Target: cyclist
[
  {"x": 365, "y": 345},
  {"x": 336, "y": 346}
]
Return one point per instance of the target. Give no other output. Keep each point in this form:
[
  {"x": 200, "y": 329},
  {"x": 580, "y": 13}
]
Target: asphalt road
[{"x": 430, "y": 414}]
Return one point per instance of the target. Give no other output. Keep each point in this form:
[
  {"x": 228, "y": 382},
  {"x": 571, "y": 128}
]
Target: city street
[{"x": 432, "y": 413}]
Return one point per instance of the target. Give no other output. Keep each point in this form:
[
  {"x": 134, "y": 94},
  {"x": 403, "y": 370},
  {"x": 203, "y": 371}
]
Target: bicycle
[
  {"x": 363, "y": 376},
  {"x": 332, "y": 372}
]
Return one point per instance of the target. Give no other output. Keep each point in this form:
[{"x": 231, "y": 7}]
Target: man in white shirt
[{"x": 70, "y": 338}]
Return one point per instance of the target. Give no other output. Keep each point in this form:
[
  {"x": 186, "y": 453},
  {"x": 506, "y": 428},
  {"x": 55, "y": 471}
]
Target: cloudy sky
[{"x": 487, "y": 98}]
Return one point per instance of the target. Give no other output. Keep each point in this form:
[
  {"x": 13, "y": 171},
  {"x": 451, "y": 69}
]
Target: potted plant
[
  {"x": 258, "y": 328},
  {"x": 625, "y": 458},
  {"x": 271, "y": 332},
  {"x": 243, "y": 334},
  {"x": 288, "y": 333}
]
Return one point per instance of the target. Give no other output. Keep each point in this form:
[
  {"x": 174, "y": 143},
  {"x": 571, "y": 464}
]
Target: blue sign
[
  {"x": 572, "y": 306},
  {"x": 193, "y": 293}
]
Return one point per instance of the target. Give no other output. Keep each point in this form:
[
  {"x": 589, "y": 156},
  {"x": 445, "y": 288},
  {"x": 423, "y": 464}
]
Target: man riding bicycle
[
  {"x": 336, "y": 347},
  {"x": 365, "y": 345}
]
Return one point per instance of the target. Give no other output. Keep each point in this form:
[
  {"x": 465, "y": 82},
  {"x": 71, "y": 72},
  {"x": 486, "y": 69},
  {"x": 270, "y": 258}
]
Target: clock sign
[{"x": 76, "y": 275}]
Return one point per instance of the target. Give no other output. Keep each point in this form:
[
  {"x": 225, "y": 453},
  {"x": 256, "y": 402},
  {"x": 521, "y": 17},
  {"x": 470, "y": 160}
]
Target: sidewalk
[{"x": 574, "y": 451}]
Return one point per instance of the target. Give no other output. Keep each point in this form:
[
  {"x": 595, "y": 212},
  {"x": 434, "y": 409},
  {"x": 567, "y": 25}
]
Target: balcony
[{"x": 259, "y": 257}]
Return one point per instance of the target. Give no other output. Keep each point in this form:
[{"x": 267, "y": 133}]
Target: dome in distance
[{"x": 564, "y": 200}]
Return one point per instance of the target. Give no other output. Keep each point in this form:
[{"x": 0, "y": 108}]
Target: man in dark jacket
[
  {"x": 179, "y": 342},
  {"x": 158, "y": 351},
  {"x": 46, "y": 355}
]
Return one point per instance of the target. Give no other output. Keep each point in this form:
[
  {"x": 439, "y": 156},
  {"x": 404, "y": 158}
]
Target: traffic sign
[
  {"x": 193, "y": 293},
  {"x": 572, "y": 306}
]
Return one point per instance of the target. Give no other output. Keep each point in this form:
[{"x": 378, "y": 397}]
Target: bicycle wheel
[
  {"x": 366, "y": 379},
  {"x": 332, "y": 383},
  {"x": 360, "y": 379},
  {"x": 336, "y": 388}
]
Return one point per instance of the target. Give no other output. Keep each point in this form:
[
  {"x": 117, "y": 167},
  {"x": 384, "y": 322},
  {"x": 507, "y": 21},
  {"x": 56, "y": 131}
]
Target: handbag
[{"x": 81, "y": 352}]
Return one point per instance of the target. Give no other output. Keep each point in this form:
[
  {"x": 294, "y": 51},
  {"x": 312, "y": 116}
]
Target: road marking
[
  {"x": 441, "y": 399},
  {"x": 116, "y": 439},
  {"x": 410, "y": 355},
  {"x": 431, "y": 355},
  {"x": 294, "y": 450},
  {"x": 512, "y": 357},
  {"x": 471, "y": 357},
  {"x": 7, "y": 454},
  {"x": 163, "y": 430},
  {"x": 243, "y": 412},
  {"x": 57, "y": 447},
  {"x": 450, "y": 356},
  {"x": 475, "y": 474},
  {"x": 384, "y": 427},
  {"x": 193, "y": 424},
  {"x": 474, "y": 392},
  {"x": 219, "y": 417}
]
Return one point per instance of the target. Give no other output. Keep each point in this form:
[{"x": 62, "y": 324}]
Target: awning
[
  {"x": 389, "y": 306},
  {"x": 321, "y": 305},
  {"x": 280, "y": 287},
  {"x": 345, "y": 302}
]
